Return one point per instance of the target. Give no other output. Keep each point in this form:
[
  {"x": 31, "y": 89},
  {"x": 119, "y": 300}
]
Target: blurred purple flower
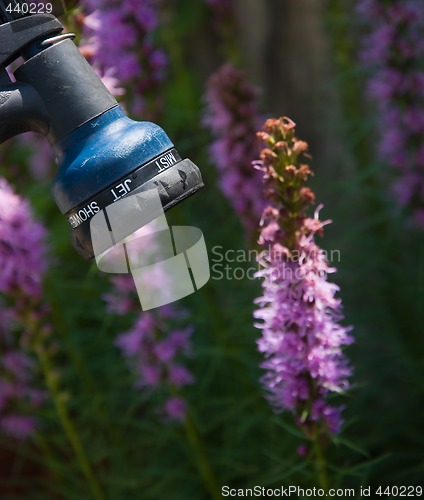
[
  {"x": 155, "y": 347},
  {"x": 118, "y": 41},
  {"x": 175, "y": 408},
  {"x": 112, "y": 83},
  {"x": 393, "y": 51},
  {"x": 22, "y": 247},
  {"x": 232, "y": 117},
  {"x": 155, "y": 353},
  {"x": 299, "y": 312},
  {"x": 302, "y": 450},
  {"x": 23, "y": 263},
  {"x": 18, "y": 426},
  {"x": 179, "y": 376},
  {"x": 40, "y": 160}
]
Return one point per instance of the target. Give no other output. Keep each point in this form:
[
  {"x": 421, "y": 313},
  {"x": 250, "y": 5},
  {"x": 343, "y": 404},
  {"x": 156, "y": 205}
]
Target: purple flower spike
[
  {"x": 298, "y": 313},
  {"x": 22, "y": 247},
  {"x": 23, "y": 263},
  {"x": 393, "y": 51},
  {"x": 233, "y": 119},
  {"x": 118, "y": 41},
  {"x": 156, "y": 352}
]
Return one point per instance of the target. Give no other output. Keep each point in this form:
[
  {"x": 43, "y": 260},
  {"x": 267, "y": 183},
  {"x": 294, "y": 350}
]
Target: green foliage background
[{"x": 237, "y": 437}]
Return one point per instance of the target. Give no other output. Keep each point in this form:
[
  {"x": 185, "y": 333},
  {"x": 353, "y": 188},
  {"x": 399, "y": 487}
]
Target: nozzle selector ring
[{"x": 58, "y": 38}]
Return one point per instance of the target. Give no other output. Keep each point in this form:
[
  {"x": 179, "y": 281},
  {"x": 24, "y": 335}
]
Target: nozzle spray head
[{"x": 102, "y": 154}]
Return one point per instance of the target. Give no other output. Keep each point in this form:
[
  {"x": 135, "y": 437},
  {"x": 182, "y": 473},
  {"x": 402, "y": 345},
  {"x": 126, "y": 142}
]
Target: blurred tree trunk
[{"x": 287, "y": 53}]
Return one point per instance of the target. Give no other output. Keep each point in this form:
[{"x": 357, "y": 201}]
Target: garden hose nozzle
[{"x": 102, "y": 154}]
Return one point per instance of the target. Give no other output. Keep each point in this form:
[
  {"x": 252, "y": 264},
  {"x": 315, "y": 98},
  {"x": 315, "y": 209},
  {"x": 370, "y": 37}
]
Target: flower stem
[
  {"x": 201, "y": 458},
  {"x": 67, "y": 423},
  {"x": 321, "y": 466}
]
